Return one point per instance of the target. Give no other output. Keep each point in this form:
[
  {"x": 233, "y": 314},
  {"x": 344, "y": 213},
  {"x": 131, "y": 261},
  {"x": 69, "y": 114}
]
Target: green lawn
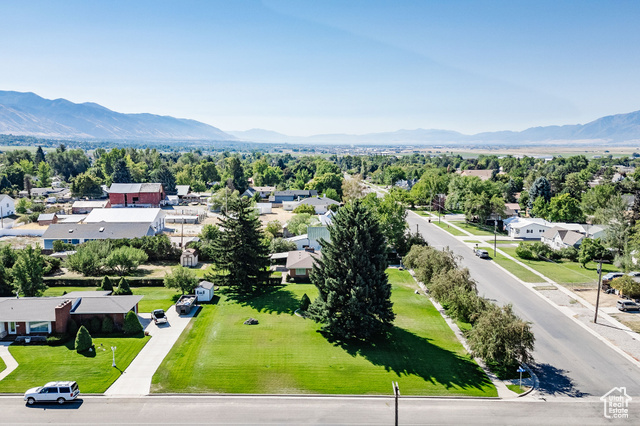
[
  {"x": 287, "y": 354},
  {"x": 472, "y": 241},
  {"x": 517, "y": 389},
  {"x": 449, "y": 229},
  {"x": 519, "y": 271},
  {"x": 154, "y": 297},
  {"x": 473, "y": 229},
  {"x": 38, "y": 365},
  {"x": 564, "y": 271},
  {"x": 2, "y": 365}
]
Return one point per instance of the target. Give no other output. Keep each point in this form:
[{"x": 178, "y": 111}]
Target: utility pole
[
  {"x": 417, "y": 229},
  {"x": 595, "y": 318},
  {"x": 495, "y": 237},
  {"x": 182, "y": 234}
]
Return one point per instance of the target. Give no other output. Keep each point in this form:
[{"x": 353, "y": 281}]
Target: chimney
[{"x": 63, "y": 316}]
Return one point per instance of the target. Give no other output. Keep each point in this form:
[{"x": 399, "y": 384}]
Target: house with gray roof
[
  {"x": 320, "y": 204},
  {"x": 24, "y": 316},
  {"x": 558, "y": 238},
  {"x": 78, "y": 233},
  {"x": 279, "y": 197}
]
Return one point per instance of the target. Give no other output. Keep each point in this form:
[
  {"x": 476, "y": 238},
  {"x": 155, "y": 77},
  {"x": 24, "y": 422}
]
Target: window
[
  {"x": 301, "y": 271},
  {"x": 65, "y": 390},
  {"x": 39, "y": 327}
]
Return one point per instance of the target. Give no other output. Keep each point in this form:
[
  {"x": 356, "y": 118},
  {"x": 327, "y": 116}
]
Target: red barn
[{"x": 136, "y": 195}]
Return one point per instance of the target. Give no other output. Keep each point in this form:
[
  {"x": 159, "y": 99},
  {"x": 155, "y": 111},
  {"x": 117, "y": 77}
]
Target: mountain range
[{"x": 32, "y": 115}]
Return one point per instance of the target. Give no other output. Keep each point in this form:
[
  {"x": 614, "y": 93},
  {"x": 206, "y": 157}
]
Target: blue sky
[{"x": 351, "y": 66}]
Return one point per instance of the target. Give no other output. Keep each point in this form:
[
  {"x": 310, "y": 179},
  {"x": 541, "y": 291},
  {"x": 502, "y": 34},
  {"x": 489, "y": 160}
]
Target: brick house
[
  {"x": 136, "y": 195},
  {"x": 45, "y": 315},
  {"x": 300, "y": 262}
]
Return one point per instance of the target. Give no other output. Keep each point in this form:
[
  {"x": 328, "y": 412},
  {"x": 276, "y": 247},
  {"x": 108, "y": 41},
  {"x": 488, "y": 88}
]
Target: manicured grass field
[
  {"x": 154, "y": 297},
  {"x": 517, "y": 389},
  {"x": 564, "y": 271},
  {"x": 449, "y": 229},
  {"x": 473, "y": 229},
  {"x": 519, "y": 271},
  {"x": 2, "y": 365},
  {"x": 94, "y": 374},
  {"x": 287, "y": 354}
]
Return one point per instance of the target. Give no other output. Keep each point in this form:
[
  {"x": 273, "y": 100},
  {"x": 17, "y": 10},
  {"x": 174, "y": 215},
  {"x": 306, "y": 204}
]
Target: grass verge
[
  {"x": 38, "y": 365},
  {"x": 518, "y": 270},
  {"x": 517, "y": 389},
  {"x": 449, "y": 229},
  {"x": 2, "y": 365},
  {"x": 288, "y": 354}
]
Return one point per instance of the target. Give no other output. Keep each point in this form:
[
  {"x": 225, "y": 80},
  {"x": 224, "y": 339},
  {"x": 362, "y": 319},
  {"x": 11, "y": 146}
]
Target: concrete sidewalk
[
  {"x": 136, "y": 379},
  {"x": 8, "y": 359}
]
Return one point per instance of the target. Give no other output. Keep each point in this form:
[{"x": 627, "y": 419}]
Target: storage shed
[
  {"x": 189, "y": 258},
  {"x": 204, "y": 291}
]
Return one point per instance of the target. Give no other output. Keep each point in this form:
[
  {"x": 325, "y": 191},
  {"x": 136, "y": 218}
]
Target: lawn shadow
[
  {"x": 554, "y": 381},
  {"x": 272, "y": 299},
  {"x": 406, "y": 353}
]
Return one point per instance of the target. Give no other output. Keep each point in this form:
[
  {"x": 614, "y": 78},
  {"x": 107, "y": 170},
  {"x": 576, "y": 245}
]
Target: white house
[
  {"x": 153, "y": 216},
  {"x": 7, "y": 205},
  {"x": 264, "y": 208},
  {"x": 558, "y": 238},
  {"x": 527, "y": 228},
  {"x": 204, "y": 291},
  {"x": 320, "y": 204}
]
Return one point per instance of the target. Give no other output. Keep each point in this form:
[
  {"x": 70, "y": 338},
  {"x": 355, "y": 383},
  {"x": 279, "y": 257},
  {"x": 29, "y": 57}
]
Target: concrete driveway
[{"x": 136, "y": 379}]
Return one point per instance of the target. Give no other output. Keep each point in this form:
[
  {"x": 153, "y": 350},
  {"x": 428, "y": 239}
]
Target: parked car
[
  {"x": 59, "y": 392},
  {"x": 634, "y": 274},
  {"x": 482, "y": 254},
  {"x": 159, "y": 317},
  {"x": 607, "y": 278},
  {"x": 627, "y": 305}
]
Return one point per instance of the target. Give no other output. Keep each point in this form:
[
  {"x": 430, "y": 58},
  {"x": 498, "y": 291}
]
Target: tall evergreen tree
[
  {"x": 164, "y": 176},
  {"x": 540, "y": 188},
  {"x": 39, "y": 156},
  {"x": 121, "y": 172},
  {"x": 6, "y": 285},
  {"x": 240, "y": 254},
  {"x": 354, "y": 298}
]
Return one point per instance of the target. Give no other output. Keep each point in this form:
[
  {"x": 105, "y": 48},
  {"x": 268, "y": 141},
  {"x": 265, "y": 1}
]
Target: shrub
[
  {"x": 59, "y": 245},
  {"x": 51, "y": 264},
  {"x": 106, "y": 284},
  {"x": 499, "y": 336},
  {"x": 457, "y": 292},
  {"x": 58, "y": 339},
  {"x": 304, "y": 303},
  {"x": 83, "y": 340},
  {"x": 123, "y": 288},
  {"x": 305, "y": 208},
  {"x": 132, "y": 324},
  {"x": 570, "y": 253},
  {"x": 95, "y": 325},
  {"x": 107, "y": 325},
  {"x": 524, "y": 252},
  {"x": 427, "y": 261}
]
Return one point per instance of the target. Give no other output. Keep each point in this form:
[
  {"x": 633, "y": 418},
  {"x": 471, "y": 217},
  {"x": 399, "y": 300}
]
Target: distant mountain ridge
[
  {"x": 32, "y": 115},
  {"x": 614, "y": 129}
]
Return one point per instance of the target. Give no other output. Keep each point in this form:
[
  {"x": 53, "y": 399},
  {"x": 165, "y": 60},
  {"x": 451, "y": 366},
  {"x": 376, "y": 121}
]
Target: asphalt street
[
  {"x": 232, "y": 410},
  {"x": 569, "y": 360}
]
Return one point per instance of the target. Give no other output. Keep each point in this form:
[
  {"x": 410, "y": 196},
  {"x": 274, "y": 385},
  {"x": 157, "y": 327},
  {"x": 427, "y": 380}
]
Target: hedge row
[{"x": 96, "y": 281}]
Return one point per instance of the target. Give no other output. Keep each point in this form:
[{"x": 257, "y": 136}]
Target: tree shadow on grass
[
  {"x": 267, "y": 300},
  {"x": 405, "y": 353},
  {"x": 554, "y": 381}
]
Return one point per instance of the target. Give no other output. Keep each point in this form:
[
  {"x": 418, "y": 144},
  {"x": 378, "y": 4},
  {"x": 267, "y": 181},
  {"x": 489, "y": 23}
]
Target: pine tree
[
  {"x": 106, "y": 284},
  {"x": 240, "y": 254},
  {"x": 6, "y": 286},
  {"x": 83, "y": 339},
  {"x": 123, "y": 288},
  {"x": 121, "y": 172},
  {"x": 354, "y": 292},
  {"x": 132, "y": 324},
  {"x": 39, "y": 156},
  {"x": 164, "y": 176}
]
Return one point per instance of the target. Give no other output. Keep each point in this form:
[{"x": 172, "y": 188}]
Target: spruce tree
[
  {"x": 354, "y": 298},
  {"x": 39, "y": 157},
  {"x": 106, "y": 284},
  {"x": 83, "y": 340},
  {"x": 240, "y": 254},
  {"x": 123, "y": 288},
  {"x": 121, "y": 173}
]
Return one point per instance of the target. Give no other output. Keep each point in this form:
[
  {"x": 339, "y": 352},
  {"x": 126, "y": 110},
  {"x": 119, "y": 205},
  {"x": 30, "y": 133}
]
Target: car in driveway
[
  {"x": 159, "y": 317},
  {"x": 627, "y": 305},
  {"x": 607, "y": 278},
  {"x": 59, "y": 392}
]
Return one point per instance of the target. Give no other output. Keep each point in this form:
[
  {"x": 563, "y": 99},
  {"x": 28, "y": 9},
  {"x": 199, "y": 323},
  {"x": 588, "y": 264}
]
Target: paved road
[
  {"x": 570, "y": 361},
  {"x": 307, "y": 410}
]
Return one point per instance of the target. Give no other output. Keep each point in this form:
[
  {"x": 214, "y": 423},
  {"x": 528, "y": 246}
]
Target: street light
[
  {"x": 396, "y": 392},
  {"x": 113, "y": 350}
]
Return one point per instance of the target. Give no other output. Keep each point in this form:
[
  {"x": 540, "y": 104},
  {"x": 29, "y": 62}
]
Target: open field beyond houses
[{"x": 287, "y": 354}]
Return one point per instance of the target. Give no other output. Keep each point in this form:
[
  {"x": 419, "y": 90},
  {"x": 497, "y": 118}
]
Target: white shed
[
  {"x": 204, "y": 291},
  {"x": 263, "y": 208},
  {"x": 7, "y": 206}
]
